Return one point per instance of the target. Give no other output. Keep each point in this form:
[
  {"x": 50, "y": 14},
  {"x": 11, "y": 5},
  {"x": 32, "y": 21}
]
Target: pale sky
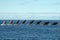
[
  {"x": 29, "y": 5},
  {"x": 18, "y": 7}
]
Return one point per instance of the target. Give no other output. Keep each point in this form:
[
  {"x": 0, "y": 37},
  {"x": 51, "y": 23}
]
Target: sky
[
  {"x": 18, "y": 7},
  {"x": 29, "y": 5}
]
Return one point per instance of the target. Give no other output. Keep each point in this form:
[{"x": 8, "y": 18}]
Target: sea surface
[{"x": 30, "y": 30}]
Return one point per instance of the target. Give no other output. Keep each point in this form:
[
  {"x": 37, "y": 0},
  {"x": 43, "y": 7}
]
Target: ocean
[{"x": 30, "y": 30}]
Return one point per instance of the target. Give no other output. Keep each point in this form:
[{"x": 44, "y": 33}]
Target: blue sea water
[{"x": 30, "y": 31}]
